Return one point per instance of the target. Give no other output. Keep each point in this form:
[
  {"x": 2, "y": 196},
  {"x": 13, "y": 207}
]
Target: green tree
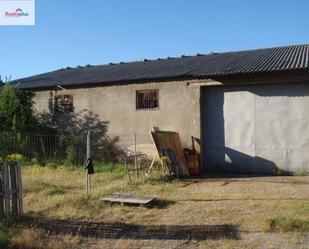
[{"x": 16, "y": 112}]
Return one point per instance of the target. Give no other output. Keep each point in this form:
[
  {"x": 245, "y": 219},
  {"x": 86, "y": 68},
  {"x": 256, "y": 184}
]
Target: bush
[
  {"x": 14, "y": 157},
  {"x": 16, "y": 113},
  {"x": 107, "y": 149},
  {"x": 103, "y": 149},
  {"x": 34, "y": 161},
  {"x": 71, "y": 155},
  {"x": 4, "y": 241}
]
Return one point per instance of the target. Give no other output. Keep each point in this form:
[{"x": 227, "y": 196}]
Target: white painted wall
[{"x": 257, "y": 128}]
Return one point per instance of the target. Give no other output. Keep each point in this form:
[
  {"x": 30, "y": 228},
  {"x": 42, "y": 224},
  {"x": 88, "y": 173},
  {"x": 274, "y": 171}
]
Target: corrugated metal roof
[{"x": 212, "y": 65}]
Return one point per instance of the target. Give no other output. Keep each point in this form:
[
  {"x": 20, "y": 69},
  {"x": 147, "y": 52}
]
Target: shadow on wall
[
  {"x": 74, "y": 121},
  {"x": 75, "y": 126},
  {"x": 217, "y": 157}
]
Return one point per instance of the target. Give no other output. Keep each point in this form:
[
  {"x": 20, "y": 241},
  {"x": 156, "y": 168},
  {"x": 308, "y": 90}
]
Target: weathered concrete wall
[
  {"x": 256, "y": 129},
  {"x": 179, "y": 110}
]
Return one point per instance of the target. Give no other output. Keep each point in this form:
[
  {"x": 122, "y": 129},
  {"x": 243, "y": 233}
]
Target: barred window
[
  {"x": 64, "y": 103},
  {"x": 147, "y": 99}
]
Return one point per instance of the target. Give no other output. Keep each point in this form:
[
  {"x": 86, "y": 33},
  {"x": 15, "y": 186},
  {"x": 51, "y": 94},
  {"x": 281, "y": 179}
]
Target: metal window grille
[
  {"x": 147, "y": 99},
  {"x": 64, "y": 103}
]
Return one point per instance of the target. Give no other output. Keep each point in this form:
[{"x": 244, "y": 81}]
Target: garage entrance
[{"x": 255, "y": 128}]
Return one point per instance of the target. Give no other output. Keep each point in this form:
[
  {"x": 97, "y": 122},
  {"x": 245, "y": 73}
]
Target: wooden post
[
  {"x": 11, "y": 187},
  {"x": 88, "y": 177},
  {"x": 14, "y": 190},
  {"x": 2, "y": 214},
  {"x": 6, "y": 189},
  {"x": 20, "y": 189},
  {"x": 152, "y": 162},
  {"x": 135, "y": 159},
  {"x": 87, "y": 182}
]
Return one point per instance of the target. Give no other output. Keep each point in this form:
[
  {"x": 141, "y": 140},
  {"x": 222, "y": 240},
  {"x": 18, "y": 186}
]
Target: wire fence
[
  {"x": 42, "y": 147},
  {"x": 59, "y": 148}
]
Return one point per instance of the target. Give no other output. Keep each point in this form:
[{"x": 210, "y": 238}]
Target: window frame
[
  {"x": 137, "y": 92},
  {"x": 69, "y": 108}
]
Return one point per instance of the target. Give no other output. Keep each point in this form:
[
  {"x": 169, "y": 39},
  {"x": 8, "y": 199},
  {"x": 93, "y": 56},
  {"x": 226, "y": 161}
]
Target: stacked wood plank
[
  {"x": 11, "y": 196},
  {"x": 168, "y": 145}
]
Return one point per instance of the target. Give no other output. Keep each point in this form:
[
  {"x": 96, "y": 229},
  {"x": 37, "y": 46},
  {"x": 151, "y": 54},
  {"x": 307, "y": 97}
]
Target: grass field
[{"x": 222, "y": 212}]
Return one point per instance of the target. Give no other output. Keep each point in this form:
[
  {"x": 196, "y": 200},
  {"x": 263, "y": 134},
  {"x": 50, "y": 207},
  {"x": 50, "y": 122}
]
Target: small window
[
  {"x": 64, "y": 103},
  {"x": 147, "y": 99}
]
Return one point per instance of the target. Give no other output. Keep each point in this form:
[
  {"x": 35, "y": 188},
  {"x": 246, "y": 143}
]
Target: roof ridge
[
  {"x": 258, "y": 49},
  {"x": 198, "y": 55}
]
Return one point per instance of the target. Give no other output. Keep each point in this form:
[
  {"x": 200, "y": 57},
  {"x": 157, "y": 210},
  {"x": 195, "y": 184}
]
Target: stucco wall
[
  {"x": 179, "y": 110},
  {"x": 256, "y": 129}
]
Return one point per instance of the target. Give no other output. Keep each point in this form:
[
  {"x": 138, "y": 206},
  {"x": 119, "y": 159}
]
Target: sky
[{"x": 80, "y": 32}]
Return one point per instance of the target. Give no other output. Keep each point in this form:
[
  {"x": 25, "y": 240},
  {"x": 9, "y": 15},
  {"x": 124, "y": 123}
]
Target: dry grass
[
  {"x": 31, "y": 238},
  {"x": 256, "y": 206},
  {"x": 286, "y": 224}
]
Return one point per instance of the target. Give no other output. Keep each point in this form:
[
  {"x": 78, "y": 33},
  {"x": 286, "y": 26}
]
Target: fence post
[
  {"x": 2, "y": 214},
  {"x": 14, "y": 190},
  {"x": 6, "y": 189},
  {"x": 88, "y": 177},
  {"x": 20, "y": 189},
  {"x": 135, "y": 159}
]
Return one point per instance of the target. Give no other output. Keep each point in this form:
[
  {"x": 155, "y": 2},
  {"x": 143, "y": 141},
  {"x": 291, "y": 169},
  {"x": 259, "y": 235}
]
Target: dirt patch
[{"x": 288, "y": 188}]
